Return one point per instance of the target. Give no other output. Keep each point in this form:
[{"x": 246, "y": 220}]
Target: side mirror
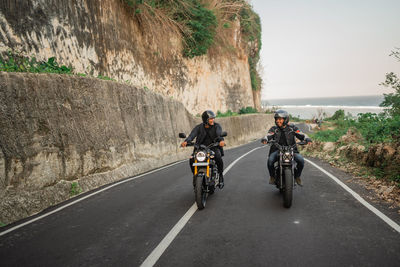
[
  {"x": 224, "y": 134},
  {"x": 182, "y": 135}
]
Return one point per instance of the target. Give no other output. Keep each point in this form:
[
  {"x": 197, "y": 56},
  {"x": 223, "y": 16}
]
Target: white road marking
[
  {"x": 90, "y": 195},
  {"x": 167, "y": 240},
  {"x": 378, "y": 213},
  {"x": 85, "y": 197}
]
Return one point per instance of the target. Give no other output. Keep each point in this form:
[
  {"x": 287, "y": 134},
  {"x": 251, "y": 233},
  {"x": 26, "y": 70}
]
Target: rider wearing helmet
[
  {"x": 284, "y": 134},
  {"x": 205, "y": 133}
]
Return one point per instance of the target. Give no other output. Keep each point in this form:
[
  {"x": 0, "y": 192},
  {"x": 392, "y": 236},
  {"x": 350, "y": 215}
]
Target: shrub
[
  {"x": 201, "y": 24},
  {"x": 247, "y": 110},
  {"x": 375, "y": 128},
  {"x": 229, "y": 113},
  {"x": 17, "y": 63},
  {"x": 338, "y": 115},
  {"x": 75, "y": 189}
]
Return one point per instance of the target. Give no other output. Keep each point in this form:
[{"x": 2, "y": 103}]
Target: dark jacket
[
  {"x": 290, "y": 131},
  {"x": 199, "y": 132}
]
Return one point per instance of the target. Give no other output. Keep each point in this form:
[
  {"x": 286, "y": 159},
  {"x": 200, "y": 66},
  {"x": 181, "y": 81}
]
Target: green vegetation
[
  {"x": 295, "y": 119},
  {"x": 392, "y": 100},
  {"x": 75, "y": 189},
  {"x": 247, "y": 110},
  {"x": 2, "y": 224},
  {"x": 229, "y": 113},
  {"x": 338, "y": 115},
  {"x": 202, "y": 23},
  {"x": 105, "y": 78},
  {"x": 374, "y": 128},
  {"x": 251, "y": 29},
  {"x": 196, "y": 22},
  {"x": 17, "y": 63}
]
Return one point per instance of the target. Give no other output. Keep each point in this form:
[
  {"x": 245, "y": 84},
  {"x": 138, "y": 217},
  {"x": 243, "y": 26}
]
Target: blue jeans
[{"x": 275, "y": 156}]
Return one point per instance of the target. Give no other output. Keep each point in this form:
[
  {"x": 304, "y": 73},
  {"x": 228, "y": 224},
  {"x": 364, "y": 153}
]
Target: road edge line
[
  {"x": 87, "y": 196},
  {"x": 157, "y": 252},
  {"x": 377, "y": 212}
]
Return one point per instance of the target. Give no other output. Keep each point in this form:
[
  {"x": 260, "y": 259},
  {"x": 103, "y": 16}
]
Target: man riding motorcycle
[
  {"x": 284, "y": 134},
  {"x": 205, "y": 134}
]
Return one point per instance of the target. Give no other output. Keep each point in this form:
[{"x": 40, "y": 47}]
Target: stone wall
[
  {"x": 56, "y": 130},
  {"x": 104, "y": 38}
]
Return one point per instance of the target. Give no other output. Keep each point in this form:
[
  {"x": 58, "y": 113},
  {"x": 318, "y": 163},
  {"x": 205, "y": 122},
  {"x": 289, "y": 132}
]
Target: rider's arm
[
  {"x": 270, "y": 134},
  {"x": 193, "y": 134},
  {"x": 300, "y": 135},
  {"x": 218, "y": 131}
]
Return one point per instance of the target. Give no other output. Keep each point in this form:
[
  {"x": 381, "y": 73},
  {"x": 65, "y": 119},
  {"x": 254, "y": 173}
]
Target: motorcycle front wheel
[
  {"x": 288, "y": 193},
  {"x": 200, "y": 191}
]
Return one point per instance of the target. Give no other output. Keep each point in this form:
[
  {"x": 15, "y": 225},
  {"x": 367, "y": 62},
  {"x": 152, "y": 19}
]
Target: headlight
[
  {"x": 287, "y": 157},
  {"x": 201, "y": 156}
]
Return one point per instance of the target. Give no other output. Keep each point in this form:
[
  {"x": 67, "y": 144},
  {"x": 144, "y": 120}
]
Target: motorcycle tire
[
  {"x": 200, "y": 192},
  {"x": 288, "y": 193}
]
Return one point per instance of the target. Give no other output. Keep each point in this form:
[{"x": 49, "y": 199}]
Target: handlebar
[
  {"x": 209, "y": 146},
  {"x": 274, "y": 142}
]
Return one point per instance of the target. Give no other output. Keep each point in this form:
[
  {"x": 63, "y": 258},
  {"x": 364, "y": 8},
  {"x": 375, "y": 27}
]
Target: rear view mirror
[
  {"x": 224, "y": 134},
  {"x": 182, "y": 135}
]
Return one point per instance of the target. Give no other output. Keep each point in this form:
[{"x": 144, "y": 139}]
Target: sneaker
[
  {"x": 271, "y": 180},
  {"x": 298, "y": 181}
]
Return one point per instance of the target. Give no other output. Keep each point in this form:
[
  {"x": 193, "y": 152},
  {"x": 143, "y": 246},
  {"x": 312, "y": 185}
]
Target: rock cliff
[{"x": 104, "y": 38}]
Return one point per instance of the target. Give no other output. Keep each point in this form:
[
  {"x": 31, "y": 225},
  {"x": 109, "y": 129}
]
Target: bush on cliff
[
  {"x": 204, "y": 23},
  {"x": 15, "y": 62},
  {"x": 247, "y": 110}
]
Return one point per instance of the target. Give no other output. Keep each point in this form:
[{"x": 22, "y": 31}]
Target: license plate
[{"x": 200, "y": 164}]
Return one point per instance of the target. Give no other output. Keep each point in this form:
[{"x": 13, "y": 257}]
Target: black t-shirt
[
  {"x": 282, "y": 139},
  {"x": 211, "y": 134}
]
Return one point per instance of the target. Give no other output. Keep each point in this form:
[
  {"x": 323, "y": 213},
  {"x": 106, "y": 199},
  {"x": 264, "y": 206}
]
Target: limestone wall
[{"x": 56, "y": 130}]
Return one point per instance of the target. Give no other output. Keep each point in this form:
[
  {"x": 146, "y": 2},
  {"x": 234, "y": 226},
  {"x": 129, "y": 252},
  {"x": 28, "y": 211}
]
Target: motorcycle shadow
[{"x": 274, "y": 199}]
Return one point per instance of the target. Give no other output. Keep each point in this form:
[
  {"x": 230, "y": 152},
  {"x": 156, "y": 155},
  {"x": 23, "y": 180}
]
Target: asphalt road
[{"x": 245, "y": 224}]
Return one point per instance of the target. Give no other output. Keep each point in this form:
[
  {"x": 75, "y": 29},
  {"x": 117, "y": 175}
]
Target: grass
[
  {"x": 75, "y": 189},
  {"x": 229, "y": 113},
  {"x": 2, "y": 224},
  {"x": 15, "y": 62}
]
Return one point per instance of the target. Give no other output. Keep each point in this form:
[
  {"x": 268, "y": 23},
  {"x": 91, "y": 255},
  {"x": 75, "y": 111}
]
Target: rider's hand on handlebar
[
  {"x": 222, "y": 143},
  {"x": 264, "y": 141},
  {"x": 184, "y": 144}
]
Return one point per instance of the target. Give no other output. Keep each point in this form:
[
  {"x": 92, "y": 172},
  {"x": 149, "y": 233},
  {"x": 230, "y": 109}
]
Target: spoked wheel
[
  {"x": 288, "y": 193},
  {"x": 200, "y": 192}
]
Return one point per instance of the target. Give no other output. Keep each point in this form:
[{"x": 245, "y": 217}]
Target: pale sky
[{"x": 317, "y": 48}]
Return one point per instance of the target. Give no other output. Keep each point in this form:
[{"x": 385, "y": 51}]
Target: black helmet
[
  {"x": 282, "y": 114},
  {"x": 208, "y": 114}
]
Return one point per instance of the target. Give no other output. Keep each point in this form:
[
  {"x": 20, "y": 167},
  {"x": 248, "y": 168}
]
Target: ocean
[{"x": 308, "y": 108}]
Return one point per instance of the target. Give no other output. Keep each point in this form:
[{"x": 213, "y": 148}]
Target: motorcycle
[
  {"x": 206, "y": 175},
  {"x": 284, "y": 171}
]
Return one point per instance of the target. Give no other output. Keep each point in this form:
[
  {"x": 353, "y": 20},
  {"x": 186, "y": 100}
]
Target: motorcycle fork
[
  {"x": 195, "y": 167},
  {"x": 208, "y": 168}
]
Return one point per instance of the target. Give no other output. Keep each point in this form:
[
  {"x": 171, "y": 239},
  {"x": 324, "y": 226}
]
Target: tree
[{"x": 392, "y": 100}]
